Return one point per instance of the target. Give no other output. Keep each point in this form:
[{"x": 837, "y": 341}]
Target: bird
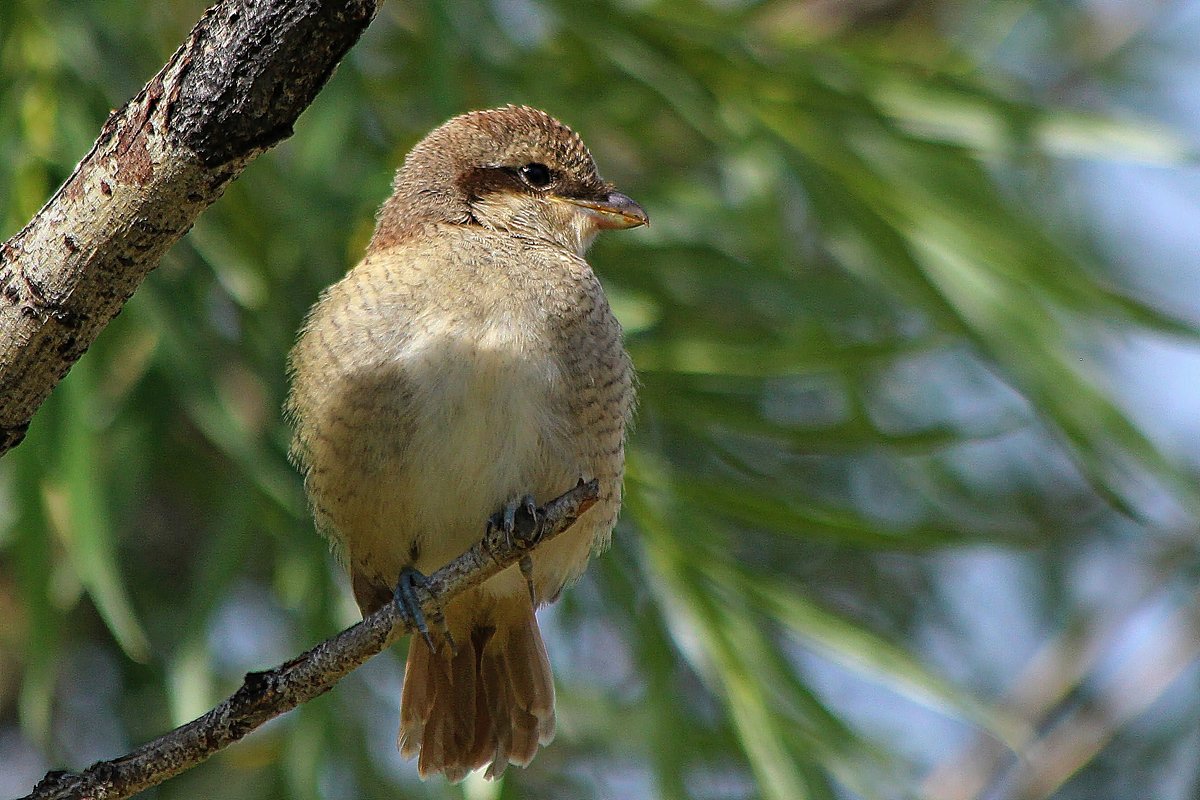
[{"x": 466, "y": 369}]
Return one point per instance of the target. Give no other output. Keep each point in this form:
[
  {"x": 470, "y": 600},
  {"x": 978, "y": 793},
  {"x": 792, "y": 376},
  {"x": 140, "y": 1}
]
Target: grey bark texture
[
  {"x": 265, "y": 695},
  {"x": 233, "y": 89}
]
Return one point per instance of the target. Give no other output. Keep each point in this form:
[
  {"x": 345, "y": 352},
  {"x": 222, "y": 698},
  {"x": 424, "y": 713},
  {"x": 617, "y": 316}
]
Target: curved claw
[
  {"x": 519, "y": 518},
  {"x": 409, "y": 604},
  {"x": 526, "y": 525}
]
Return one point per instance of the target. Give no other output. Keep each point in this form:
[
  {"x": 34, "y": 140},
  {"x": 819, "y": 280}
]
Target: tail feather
[
  {"x": 482, "y": 746},
  {"x": 498, "y": 745},
  {"x": 523, "y": 745},
  {"x": 529, "y": 672},
  {"x": 450, "y": 730},
  {"x": 490, "y": 701},
  {"x": 416, "y": 699}
]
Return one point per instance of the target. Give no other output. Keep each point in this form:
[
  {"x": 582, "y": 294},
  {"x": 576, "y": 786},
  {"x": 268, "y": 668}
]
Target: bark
[
  {"x": 233, "y": 89},
  {"x": 265, "y": 695}
]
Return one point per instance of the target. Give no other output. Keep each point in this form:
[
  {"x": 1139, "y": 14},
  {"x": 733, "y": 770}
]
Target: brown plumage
[{"x": 468, "y": 360}]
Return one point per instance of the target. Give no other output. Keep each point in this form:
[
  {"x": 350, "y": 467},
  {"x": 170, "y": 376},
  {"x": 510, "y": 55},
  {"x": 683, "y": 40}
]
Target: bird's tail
[{"x": 490, "y": 701}]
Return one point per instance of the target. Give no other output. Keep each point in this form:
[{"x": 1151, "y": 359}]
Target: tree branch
[
  {"x": 265, "y": 695},
  {"x": 233, "y": 89}
]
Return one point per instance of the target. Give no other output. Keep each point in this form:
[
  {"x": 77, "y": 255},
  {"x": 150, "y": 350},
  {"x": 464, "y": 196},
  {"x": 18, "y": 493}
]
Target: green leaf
[
  {"x": 849, "y": 643},
  {"x": 950, "y": 110},
  {"x": 771, "y": 508},
  {"x": 79, "y": 509}
]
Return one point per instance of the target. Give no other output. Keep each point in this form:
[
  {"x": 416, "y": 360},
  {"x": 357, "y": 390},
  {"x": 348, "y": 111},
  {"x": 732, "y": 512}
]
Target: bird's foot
[
  {"x": 518, "y": 521},
  {"x": 408, "y": 603}
]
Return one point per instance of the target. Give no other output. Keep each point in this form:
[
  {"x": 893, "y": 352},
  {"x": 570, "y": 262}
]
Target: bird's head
[{"x": 514, "y": 169}]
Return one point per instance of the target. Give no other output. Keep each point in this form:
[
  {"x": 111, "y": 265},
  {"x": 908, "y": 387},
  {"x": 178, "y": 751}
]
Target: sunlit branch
[{"x": 233, "y": 89}]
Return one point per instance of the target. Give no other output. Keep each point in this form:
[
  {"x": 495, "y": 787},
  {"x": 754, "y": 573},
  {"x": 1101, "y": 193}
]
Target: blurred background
[{"x": 912, "y": 499}]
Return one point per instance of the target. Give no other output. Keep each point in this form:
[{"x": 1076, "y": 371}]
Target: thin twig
[{"x": 266, "y": 695}]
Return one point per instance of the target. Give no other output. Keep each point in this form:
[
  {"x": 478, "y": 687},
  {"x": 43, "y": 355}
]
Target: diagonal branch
[
  {"x": 265, "y": 695},
  {"x": 232, "y": 90}
]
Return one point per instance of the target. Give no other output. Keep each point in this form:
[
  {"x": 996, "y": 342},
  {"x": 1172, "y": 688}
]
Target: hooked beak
[{"x": 613, "y": 212}]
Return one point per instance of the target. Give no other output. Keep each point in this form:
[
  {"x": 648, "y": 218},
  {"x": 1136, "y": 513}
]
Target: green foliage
[{"x": 871, "y": 336}]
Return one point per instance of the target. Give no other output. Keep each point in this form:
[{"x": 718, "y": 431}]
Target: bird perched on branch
[{"x": 466, "y": 369}]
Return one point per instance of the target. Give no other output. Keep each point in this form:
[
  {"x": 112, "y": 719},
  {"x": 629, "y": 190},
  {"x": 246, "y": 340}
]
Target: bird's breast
[
  {"x": 485, "y": 384},
  {"x": 486, "y": 423},
  {"x": 431, "y": 390}
]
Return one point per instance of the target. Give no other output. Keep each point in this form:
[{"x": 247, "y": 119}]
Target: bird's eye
[{"x": 536, "y": 175}]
